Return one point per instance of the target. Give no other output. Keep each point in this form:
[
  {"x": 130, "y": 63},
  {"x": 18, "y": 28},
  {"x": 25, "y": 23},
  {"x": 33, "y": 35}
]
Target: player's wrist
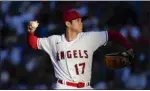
[
  {"x": 31, "y": 30},
  {"x": 30, "y": 33}
]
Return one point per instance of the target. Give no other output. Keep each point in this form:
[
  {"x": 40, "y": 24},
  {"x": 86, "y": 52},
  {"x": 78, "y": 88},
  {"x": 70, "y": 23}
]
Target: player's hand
[{"x": 32, "y": 26}]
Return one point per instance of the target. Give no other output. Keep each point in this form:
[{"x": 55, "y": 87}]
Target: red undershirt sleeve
[
  {"x": 118, "y": 38},
  {"x": 32, "y": 40}
]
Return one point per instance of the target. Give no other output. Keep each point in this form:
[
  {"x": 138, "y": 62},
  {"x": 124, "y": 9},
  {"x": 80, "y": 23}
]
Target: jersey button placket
[{"x": 68, "y": 66}]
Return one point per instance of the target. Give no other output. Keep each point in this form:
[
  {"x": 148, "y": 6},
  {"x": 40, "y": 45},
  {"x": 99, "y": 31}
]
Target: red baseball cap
[{"x": 70, "y": 15}]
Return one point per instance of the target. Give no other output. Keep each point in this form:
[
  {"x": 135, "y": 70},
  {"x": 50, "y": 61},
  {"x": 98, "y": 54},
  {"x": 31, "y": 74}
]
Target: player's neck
[{"x": 70, "y": 35}]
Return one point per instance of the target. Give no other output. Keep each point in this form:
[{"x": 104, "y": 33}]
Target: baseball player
[{"x": 71, "y": 53}]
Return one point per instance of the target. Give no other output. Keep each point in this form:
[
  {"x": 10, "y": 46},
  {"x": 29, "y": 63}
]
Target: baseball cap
[{"x": 70, "y": 15}]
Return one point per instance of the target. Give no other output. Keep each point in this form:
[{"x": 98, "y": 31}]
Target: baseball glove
[{"x": 119, "y": 60}]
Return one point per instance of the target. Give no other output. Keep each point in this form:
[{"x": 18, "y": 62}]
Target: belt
[{"x": 78, "y": 85}]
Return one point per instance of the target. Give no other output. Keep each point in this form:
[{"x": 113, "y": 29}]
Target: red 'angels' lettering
[{"x": 73, "y": 54}]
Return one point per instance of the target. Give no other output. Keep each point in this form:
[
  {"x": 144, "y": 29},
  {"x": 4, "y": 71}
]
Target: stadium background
[{"x": 24, "y": 68}]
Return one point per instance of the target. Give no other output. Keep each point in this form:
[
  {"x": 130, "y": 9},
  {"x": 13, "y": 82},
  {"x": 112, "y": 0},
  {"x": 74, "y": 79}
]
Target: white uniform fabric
[{"x": 72, "y": 61}]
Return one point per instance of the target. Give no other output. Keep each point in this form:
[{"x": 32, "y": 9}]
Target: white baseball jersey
[{"x": 72, "y": 61}]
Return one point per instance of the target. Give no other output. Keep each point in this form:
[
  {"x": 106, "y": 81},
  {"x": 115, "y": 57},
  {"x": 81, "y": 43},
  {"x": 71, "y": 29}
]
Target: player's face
[{"x": 77, "y": 25}]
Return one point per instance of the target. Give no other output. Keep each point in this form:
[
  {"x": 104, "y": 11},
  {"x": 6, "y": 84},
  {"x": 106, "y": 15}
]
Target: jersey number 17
[{"x": 77, "y": 66}]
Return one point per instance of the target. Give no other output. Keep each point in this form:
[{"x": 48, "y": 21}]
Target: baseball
[{"x": 34, "y": 24}]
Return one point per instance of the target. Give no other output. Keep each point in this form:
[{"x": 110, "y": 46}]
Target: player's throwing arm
[{"x": 32, "y": 40}]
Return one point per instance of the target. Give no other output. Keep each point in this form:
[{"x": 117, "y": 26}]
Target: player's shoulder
[
  {"x": 92, "y": 33},
  {"x": 55, "y": 36}
]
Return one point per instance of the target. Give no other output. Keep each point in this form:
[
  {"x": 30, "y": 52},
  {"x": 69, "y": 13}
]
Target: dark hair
[{"x": 70, "y": 21}]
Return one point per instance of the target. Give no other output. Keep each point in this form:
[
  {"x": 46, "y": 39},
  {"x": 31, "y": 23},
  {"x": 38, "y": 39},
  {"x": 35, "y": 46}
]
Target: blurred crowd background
[{"x": 24, "y": 68}]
